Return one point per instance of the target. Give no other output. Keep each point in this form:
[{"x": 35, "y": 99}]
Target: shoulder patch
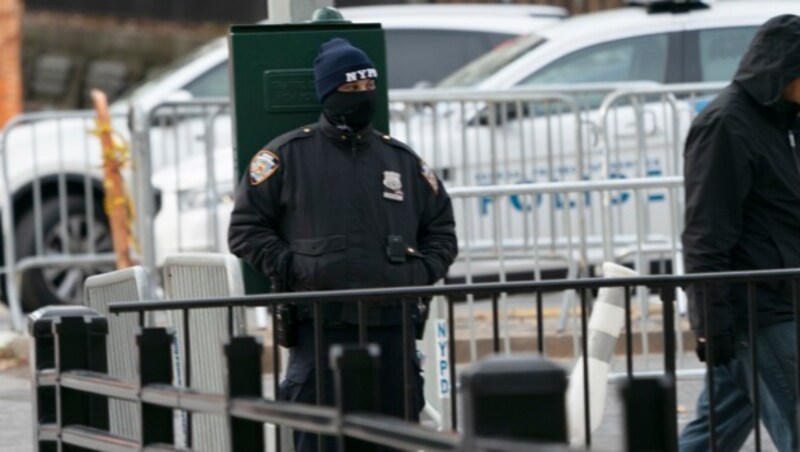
[
  {"x": 262, "y": 166},
  {"x": 430, "y": 177}
]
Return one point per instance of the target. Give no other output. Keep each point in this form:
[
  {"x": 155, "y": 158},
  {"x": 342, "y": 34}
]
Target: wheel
[{"x": 43, "y": 286}]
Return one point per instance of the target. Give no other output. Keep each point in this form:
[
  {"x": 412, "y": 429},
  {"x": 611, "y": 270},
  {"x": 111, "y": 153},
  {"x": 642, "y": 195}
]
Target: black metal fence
[{"x": 72, "y": 386}]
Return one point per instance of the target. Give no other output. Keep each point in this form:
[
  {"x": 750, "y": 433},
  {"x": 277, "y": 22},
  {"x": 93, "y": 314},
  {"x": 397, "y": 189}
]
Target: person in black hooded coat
[{"x": 742, "y": 178}]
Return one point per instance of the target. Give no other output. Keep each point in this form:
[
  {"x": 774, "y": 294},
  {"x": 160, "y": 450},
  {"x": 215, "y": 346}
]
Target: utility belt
[
  {"x": 289, "y": 317},
  {"x": 344, "y": 315}
]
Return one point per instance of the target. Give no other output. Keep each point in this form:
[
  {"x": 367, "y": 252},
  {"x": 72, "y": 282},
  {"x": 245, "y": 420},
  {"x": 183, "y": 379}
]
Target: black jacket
[
  {"x": 742, "y": 176},
  {"x": 323, "y": 218}
]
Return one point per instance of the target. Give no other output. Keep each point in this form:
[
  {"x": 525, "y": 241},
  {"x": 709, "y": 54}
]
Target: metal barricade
[
  {"x": 188, "y": 147},
  {"x": 205, "y": 275},
  {"x": 56, "y": 234},
  {"x": 471, "y": 138},
  {"x": 642, "y": 133},
  {"x": 130, "y": 284},
  {"x": 558, "y": 133},
  {"x": 642, "y": 129},
  {"x": 552, "y": 231}
]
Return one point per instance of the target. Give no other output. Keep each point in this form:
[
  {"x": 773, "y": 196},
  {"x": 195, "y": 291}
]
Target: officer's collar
[{"x": 344, "y": 136}]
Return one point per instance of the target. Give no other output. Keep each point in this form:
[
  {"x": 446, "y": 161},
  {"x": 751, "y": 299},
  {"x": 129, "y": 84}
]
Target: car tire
[{"x": 44, "y": 286}]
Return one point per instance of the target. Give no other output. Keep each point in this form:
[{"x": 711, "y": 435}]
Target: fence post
[
  {"x": 649, "y": 414},
  {"x": 244, "y": 380},
  {"x": 671, "y": 401},
  {"x": 516, "y": 398},
  {"x": 355, "y": 370},
  {"x": 143, "y": 192},
  {"x": 155, "y": 366},
  {"x": 66, "y": 338}
]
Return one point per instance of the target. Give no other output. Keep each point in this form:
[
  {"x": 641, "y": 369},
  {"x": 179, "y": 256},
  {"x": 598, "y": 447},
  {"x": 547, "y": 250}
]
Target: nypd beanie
[{"x": 340, "y": 62}]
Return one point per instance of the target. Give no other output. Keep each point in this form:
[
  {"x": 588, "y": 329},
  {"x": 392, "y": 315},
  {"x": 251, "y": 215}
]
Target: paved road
[{"x": 16, "y": 434}]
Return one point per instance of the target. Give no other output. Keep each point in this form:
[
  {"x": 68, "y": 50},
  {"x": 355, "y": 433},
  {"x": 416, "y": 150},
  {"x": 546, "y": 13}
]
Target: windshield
[{"x": 487, "y": 65}]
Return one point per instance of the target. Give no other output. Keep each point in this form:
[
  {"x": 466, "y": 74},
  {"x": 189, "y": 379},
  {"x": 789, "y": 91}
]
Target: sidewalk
[{"x": 16, "y": 422}]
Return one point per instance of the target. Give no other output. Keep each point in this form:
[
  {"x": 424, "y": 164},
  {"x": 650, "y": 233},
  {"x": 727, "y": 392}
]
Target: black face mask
[{"x": 354, "y": 110}]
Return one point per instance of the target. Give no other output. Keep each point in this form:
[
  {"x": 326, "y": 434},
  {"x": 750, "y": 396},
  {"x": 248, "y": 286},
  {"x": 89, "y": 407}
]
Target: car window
[
  {"x": 640, "y": 58},
  {"x": 435, "y": 53},
  {"x": 212, "y": 83},
  {"x": 721, "y": 50},
  {"x": 485, "y": 66}
]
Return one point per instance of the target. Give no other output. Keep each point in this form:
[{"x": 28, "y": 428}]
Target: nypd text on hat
[{"x": 361, "y": 74}]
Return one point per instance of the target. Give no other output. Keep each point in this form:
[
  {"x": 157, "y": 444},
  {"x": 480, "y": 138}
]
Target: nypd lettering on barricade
[
  {"x": 443, "y": 360},
  {"x": 361, "y": 75}
]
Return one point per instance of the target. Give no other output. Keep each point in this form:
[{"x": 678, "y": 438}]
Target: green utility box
[{"x": 272, "y": 73}]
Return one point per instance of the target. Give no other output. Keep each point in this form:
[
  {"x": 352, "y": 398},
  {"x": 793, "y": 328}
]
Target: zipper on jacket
[{"x": 354, "y": 140}]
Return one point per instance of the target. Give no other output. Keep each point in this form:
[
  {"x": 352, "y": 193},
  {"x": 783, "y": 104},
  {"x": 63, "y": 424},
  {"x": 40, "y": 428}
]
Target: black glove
[
  {"x": 724, "y": 349},
  {"x": 283, "y": 278}
]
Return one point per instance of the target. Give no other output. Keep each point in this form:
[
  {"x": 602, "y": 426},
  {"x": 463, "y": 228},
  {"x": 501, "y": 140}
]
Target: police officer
[{"x": 339, "y": 205}]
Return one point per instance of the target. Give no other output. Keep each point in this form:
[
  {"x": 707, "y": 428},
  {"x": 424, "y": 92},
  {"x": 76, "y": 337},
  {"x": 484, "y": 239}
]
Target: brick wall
[{"x": 10, "y": 62}]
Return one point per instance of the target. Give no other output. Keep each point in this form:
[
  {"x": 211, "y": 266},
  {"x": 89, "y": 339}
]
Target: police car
[
  {"x": 657, "y": 44},
  {"x": 425, "y": 43}
]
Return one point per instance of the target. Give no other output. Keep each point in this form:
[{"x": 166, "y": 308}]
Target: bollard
[
  {"x": 73, "y": 336},
  {"x": 520, "y": 398},
  {"x": 155, "y": 366},
  {"x": 649, "y": 414},
  {"x": 243, "y": 355},
  {"x": 355, "y": 373},
  {"x": 81, "y": 346}
]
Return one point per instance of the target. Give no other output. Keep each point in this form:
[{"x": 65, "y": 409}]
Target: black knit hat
[{"x": 339, "y": 62}]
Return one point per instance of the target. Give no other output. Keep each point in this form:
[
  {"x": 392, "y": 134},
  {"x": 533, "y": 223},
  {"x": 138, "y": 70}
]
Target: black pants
[{"x": 300, "y": 382}]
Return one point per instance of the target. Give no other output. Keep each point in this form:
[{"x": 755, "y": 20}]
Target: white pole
[{"x": 289, "y": 11}]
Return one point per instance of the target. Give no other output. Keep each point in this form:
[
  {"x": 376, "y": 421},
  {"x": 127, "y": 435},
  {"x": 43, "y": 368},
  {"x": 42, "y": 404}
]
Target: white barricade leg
[
  {"x": 122, "y": 285},
  {"x": 608, "y": 317},
  {"x": 203, "y": 276}
]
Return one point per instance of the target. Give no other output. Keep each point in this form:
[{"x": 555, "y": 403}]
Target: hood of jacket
[{"x": 771, "y": 61}]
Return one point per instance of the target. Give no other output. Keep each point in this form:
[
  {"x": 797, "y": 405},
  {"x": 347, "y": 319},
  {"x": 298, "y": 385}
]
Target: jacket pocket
[
  {"x": 318, "y": 246},
  {"x": 319, "y": 262}
]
